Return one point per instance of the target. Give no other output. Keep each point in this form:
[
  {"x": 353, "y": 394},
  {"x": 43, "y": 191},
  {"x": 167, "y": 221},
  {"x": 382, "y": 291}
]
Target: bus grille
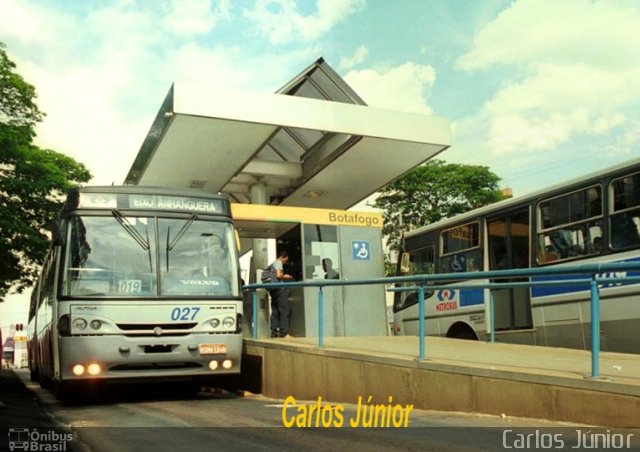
[
  {"x": 147, "y": 330},
  {"x": 151, "y": 326},
  {"x": 154, "y": 366}
]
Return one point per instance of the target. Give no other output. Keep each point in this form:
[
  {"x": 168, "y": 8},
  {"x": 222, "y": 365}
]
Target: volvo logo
[{"x": 157, "y": 331}]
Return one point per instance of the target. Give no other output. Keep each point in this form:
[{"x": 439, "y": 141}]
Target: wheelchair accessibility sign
[{"x": 361, "y": 250}]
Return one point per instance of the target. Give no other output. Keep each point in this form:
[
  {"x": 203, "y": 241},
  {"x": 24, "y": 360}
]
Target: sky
[{"x": 539, "y": 91}]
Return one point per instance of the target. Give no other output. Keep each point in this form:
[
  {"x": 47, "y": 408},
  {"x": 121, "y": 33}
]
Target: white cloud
[
  {"x": 100, "y": 77},
  {"x": 577, "y": 73},
  {"x": 19, "y": 20},
  {"x": 556, "y": 102},
  {"x": 83, "y": 122},
  {"x": 358, "y": 57},
  {"x": 508, "y": 133},
  {"x": 191, "y": 17},
  {"x": 406, "y": 87},
  {"x": 532, "y": 32},
  {"x": 196, "y": 64},
  {"x": 626, "y": 142},
  {"x": 31, "y": 25},
  {"x": 281, "y": 22},
  {"x": 83, "y": 89}
]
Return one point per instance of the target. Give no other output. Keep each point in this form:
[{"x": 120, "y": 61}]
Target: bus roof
[
  {"x": 500, "y": 205},
  {"x": 145, "y": 190}
]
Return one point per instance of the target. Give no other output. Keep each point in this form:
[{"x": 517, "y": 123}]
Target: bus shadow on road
[{"x": 113, "y": 393}]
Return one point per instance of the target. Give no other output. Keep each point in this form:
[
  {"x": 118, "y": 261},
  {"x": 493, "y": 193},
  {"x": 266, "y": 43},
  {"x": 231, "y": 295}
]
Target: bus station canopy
[{"x": 313, "y": 143}]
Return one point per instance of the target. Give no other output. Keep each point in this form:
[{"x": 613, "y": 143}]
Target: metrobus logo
[
  {"x": 447, "y": 302},
  {"x": 446, "y": 294}
]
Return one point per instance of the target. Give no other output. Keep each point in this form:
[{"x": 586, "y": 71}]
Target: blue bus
[{"x": 591, "y": 219}]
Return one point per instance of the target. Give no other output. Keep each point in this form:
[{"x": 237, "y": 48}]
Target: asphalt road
[{"x": 161, "y": 417}]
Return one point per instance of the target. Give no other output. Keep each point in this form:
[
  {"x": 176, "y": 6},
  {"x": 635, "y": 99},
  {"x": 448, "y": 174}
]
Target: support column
[{"x": 260, "y": 260}]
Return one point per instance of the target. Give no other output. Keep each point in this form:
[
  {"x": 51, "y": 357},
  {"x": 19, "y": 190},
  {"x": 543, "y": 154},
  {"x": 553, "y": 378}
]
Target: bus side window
[
  {"x": 569, "y": 225},
  {"x": 419, "y": 262},
  {"x": 460, "y": 247},
  {"x": 50, "y": 287},
  {"x": 423, "y": 261},
  {"x": 624, "y": 230},
  {"x": 624, "y": 221}
]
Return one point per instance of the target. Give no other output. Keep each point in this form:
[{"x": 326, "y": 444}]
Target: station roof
[{"x": 313, "y": 143}]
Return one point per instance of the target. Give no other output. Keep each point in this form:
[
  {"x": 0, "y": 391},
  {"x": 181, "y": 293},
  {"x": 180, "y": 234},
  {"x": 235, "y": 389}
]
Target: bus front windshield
[{"x": 138, "y": 256}]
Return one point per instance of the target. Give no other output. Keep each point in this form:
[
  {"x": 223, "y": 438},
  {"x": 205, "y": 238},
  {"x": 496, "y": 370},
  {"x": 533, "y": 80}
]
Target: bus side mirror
[{"x": 405, "y": 263}]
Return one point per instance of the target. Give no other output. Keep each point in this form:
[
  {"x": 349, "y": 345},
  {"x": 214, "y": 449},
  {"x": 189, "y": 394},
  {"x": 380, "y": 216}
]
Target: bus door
[{"x": 508, "y": 247}]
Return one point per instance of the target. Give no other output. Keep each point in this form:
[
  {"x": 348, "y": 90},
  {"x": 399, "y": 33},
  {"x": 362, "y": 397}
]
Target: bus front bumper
[{"x": 122, "y": 357}]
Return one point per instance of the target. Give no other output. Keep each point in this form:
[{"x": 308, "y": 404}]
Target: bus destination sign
[
  {"x": 173, "y": 203},
  {"x": 149, "y": 202}
]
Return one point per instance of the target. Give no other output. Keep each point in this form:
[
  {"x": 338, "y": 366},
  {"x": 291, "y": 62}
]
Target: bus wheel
[
  {"x": 34, "y": 375},
  {"x": 462, "y": 331},
  {"x": 45, "y": 382}
]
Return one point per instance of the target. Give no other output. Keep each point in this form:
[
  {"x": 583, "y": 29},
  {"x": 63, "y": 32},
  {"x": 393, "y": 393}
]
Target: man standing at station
[
  {"x": 327, "y": 266},
  {"x": 280, "y": 307}
]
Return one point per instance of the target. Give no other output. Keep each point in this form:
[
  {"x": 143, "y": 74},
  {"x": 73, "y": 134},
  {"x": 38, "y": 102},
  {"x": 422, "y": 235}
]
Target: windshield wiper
[
  {"x": 171, "y": 245},
  {"x": 133, "y": 232},
  {"x": 181, "y": 232}
]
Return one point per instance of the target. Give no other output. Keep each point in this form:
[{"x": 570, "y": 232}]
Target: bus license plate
[{"x": 212, "y": 349}]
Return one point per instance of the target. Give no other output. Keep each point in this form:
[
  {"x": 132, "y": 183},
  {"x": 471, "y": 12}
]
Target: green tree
[
  {"x": 433, "y": 191},
  {"x": 33, "y": 182}
]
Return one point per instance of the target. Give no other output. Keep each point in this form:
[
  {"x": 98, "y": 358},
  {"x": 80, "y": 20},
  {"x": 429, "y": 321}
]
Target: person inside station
[
  {"x": 280, "y": 307},
  {"x": 327, "y": 266}
]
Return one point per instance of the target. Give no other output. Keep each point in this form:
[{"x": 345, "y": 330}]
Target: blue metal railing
[{"x": 427, "y": 282}]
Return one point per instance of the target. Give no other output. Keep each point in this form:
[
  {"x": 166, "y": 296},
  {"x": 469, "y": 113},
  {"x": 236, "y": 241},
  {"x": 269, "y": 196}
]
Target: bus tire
[
  {"x": 462, "y": 331},
  {"x": 34, "y": 375},
  {"x": 45, "y": 382}
]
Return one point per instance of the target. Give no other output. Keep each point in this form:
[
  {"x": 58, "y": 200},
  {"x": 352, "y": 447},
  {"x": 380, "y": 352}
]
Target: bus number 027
[{"x": 186, "y": 313}]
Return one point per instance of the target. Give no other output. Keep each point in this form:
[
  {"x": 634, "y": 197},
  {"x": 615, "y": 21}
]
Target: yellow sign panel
[{"x": 285, "y": 214}]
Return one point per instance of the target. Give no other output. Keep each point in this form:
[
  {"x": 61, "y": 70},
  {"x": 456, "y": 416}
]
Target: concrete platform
[{"x": 468, "y": 376}]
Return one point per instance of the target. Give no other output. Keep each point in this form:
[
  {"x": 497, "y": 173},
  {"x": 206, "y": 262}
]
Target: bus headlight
[
  {"x": 227, "y": 364},
  {"x": 94, "y": 369},
  {"x": 215, "y": 323},
  {"x": 95, "y": 324},
  {"x": 78, "y": 370},
  {"x": 228, "y": 322},
  {"x": 79, "y": 324}
]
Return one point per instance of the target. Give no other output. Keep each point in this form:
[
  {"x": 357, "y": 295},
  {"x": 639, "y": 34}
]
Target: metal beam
[{"x": 290, "y": 170}]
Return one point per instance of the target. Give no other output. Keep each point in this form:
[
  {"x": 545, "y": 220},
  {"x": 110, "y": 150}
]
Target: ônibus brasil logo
[{"x": 33, "y": 440}]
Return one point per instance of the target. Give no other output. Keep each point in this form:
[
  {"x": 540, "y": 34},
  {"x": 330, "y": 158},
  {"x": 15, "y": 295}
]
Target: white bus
[
  {"x": 588, "y": 220},
  {"x": 139, "y": 283}
]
